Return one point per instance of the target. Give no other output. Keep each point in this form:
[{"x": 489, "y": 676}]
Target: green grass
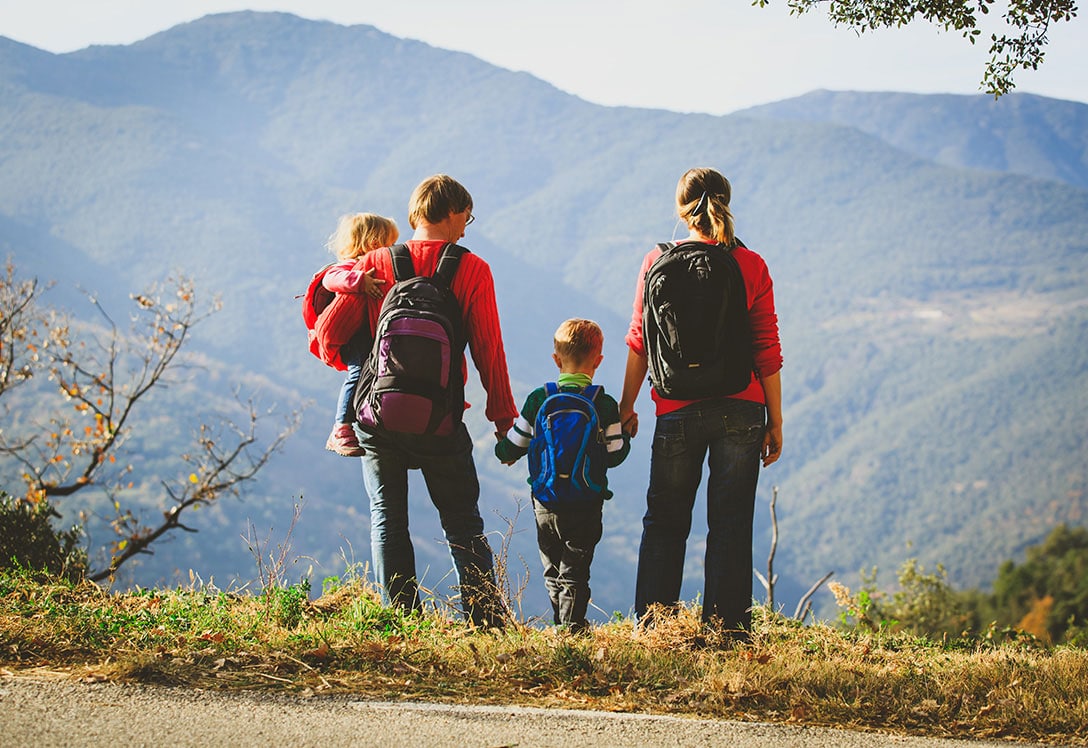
[{"x": 346, "y": 642}]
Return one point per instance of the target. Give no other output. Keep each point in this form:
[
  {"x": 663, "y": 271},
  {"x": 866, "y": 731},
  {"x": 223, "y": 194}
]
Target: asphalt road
[{"x": 42, "y": 712}]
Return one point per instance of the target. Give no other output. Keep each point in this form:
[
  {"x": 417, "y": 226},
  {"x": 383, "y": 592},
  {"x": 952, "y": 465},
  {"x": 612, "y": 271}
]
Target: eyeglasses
[{"x": 470, "y": 219}]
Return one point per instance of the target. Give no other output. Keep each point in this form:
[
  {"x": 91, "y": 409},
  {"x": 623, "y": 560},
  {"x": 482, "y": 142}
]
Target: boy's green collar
[{"x": 576, "y": 379}]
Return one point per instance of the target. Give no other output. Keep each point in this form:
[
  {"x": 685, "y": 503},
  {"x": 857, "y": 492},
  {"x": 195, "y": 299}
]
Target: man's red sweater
[{"x": 474, "y": 288}]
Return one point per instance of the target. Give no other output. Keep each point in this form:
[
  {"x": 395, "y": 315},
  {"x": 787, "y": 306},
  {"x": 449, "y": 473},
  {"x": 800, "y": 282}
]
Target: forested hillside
[{"x": 931, "y": 274}]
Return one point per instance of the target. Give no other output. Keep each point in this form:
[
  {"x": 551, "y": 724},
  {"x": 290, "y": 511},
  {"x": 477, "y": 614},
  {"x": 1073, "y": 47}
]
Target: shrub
[{"x": 28, "y": 540}]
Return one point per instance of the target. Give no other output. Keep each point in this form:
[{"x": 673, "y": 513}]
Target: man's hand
[
  {"x": 629, "y": 423},
  {"x": 373, "y": 286}
]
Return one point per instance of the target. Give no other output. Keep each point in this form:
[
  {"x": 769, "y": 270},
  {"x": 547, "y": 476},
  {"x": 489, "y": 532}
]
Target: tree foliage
[
  {"x": 1020, "y": 46},
  {"x": 69, "y": 434},
  {"x": 1046, "y": 597},
  {"x": 1050, "y": 589}
]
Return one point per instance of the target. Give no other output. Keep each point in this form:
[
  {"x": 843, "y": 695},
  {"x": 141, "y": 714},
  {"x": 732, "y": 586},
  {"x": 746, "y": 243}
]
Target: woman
[{"x": 738, "y": 429}]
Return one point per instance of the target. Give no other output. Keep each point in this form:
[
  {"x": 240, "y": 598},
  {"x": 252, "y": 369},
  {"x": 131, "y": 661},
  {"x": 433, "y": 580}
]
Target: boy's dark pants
[{"x": 567, "y": 539}]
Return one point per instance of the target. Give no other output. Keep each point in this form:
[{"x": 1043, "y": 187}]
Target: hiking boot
[{"x": 343, "y": 441}]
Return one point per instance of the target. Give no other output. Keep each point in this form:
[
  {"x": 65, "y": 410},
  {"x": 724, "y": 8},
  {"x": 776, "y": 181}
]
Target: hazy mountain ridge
[
  {"x": 1021, "y": 134},
  {"x": 229, "y": 146}
]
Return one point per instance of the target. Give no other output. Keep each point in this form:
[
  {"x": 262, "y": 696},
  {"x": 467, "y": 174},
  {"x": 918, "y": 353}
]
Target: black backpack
[
  {"x": 412, "y": 381},
  {"x": 695, "y": 322}
]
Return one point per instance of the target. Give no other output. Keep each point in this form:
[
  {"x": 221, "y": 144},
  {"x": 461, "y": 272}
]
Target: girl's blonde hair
[
  {"x": 702, "y": 201},
  {"x": 358, "y": 233}
]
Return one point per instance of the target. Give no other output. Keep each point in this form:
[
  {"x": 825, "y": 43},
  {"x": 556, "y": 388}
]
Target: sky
[{"x": 713, "y": 56}]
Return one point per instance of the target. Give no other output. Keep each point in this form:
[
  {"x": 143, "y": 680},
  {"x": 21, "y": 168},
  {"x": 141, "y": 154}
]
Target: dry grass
[{"x": 345, "y": 642}]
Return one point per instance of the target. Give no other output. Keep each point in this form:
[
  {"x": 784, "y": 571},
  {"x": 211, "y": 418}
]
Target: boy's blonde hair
[
  {"x": 578, "y": 340},
  {"x": 358, "y": 233}
]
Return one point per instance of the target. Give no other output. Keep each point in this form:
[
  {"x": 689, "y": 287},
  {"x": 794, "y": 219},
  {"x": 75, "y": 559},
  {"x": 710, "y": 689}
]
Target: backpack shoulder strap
[
  {"x": 666, "y": 246},
  {"x": 403, "y": 269},
  {"x": 551, "y": 388},
  {"x": 591, "y": 391},
  {"x": 448, "y": 262}
]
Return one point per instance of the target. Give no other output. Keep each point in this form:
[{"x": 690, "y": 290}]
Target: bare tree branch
[
  {"x": 804, "y": 605},
  {"x": 216, "y": 472},
  {"x": 101, "y": 375},
  {"x": 771, "y": 578},
  {"x": 105, "y": 387}
]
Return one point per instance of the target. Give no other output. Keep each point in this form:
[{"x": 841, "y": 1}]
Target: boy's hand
[
  {"x": 508, "y": 464},
  {"x": 629, "y": 423}
]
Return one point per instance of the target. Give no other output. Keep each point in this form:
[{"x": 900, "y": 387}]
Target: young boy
[{"x": 567, "y": 533}]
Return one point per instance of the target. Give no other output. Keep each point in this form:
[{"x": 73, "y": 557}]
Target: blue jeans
[
  {"x": 451, "y": 480},
  {"x": 353, "y": 354},
  {"x": 345, "y": 413},
  {"x": 731, "y": 430}
]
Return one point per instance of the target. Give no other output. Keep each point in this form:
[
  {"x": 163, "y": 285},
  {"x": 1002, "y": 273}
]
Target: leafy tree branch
[{"x": 1020, "y": 46}]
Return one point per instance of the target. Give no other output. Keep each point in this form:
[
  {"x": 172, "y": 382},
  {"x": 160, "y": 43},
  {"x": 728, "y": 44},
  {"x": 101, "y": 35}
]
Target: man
[{"x": 439, "y": 210}]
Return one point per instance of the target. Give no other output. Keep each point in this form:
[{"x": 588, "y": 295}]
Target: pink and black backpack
[{"x": 412, "y": 381}]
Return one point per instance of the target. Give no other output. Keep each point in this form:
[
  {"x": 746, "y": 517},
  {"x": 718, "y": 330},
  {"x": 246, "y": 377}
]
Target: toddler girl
[{"x": 355, "y": 235}]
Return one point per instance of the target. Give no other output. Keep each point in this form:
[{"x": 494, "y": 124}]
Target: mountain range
[{"x": 928, "y": 252}]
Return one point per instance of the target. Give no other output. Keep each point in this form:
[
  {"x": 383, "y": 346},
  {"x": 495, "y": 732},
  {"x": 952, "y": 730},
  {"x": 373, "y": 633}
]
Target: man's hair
[
  {"x": 578, "y": 340},
  {"x": 436, "y": 198}
]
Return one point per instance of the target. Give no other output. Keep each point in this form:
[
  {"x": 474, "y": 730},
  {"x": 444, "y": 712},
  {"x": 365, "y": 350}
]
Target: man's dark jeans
[
  {"x": 454, "y": 489},
  {"x": 731, "y": 430}
]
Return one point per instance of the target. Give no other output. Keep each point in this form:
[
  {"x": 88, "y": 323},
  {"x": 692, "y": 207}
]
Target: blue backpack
[{"x": 567, "y": 451}]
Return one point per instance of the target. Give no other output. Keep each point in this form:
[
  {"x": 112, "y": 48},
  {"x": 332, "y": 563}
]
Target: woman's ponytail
[{"x": 702, "y": 200}]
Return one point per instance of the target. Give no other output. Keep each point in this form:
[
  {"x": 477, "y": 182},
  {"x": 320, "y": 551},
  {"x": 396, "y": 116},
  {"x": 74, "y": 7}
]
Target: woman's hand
[
  {"x": 772, "y": 445},
  {"x": 633, "y": 375}
]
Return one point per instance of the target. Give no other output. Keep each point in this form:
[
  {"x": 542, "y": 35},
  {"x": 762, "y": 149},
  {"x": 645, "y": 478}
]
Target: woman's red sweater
[{"x": 766, "y": 347}]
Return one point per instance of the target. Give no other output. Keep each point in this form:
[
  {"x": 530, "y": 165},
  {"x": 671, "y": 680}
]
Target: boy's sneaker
[{"x": 343, "y": 441}]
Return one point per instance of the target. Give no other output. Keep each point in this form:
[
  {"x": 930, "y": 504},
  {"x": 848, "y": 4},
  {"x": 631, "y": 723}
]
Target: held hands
[
  {"x": 499, "y": 436},
  {"x": 629, "y": 423}
]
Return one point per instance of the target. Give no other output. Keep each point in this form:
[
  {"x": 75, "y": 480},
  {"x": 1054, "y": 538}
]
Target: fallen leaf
[{"x": 320, "y": 653}]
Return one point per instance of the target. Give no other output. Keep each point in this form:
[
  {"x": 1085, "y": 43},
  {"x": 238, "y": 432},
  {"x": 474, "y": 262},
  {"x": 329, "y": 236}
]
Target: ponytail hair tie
[{"x": 699, "y": 205}]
